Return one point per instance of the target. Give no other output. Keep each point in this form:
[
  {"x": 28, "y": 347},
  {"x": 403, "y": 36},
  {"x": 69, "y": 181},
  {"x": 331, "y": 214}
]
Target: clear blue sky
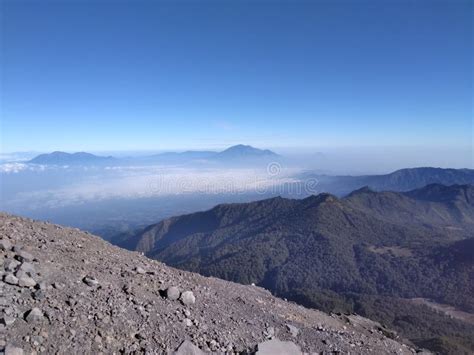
[{"x": 108, "y": 75}]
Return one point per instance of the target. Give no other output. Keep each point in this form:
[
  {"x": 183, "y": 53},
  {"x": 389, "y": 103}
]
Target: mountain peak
[
  {"x": 63, "y": 158},
  {"x": 246, "y": 151}
]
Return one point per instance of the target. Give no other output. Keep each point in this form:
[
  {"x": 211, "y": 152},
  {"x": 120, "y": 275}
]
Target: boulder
[
  {"x": 172, "y": 293},
  {"x": 187, "y": 298}
]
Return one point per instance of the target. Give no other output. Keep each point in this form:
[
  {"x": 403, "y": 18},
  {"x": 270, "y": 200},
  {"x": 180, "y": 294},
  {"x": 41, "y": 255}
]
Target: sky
[{"x": 145, "y": 75}]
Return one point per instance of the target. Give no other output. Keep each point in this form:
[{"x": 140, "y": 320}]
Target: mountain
[
  {"x": 370, "y": 252},
  {"x": 184, "y": 156},
  {"x": 62, "y": 158},
  {"x": 241, "y": 151},
  {"x": 400, "y": 180},
  {"x": 68, "y": 292},
  {"x": 235, "y": 154}
]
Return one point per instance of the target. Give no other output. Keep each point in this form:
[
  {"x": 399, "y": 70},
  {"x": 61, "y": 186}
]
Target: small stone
[
  {"x": 188, "y": 348},
  {"x": 293, "y": 330},
  {"x": 11, "y": 279},
  {"x": 139, "y": 270},
  {"x": 5, "y": 245},
  {"x": 187, "y": 298},
  {"x": 26, "y": 281},
  {"x": 13, "y": 350},
  {"x": 188, "y": 322},
  {"x": 90, "y": 281},
  {"x": 34, "y": 315},
  {"x": 172, "y": 293}
]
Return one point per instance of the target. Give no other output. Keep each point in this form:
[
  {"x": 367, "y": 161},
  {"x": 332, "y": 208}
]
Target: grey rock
[
  {"x": 13, "y": 350},
  {"x": 8, "y": 320},
  {"x": 28, "y": 268},
  {"x": 172, "y": 293},
  {"x": 23, "y": 255},
  {"x": 34, "y": 315},
  {"x": 278, "y": 347},
  {"x": 187, "y": 298},
  {"x": 38, "y": 295},
  {"x": 11, "y": 265},
  {"x": 293, "y": 330},
  {"x": 26, "y": 281},
  {"x": 188, "y": 348},
  {"x": 11, "y": 279},
  {"x": 140, "y": 270},
  {"x": 5, "y": 244},
  {"x": 90, "y": 281}
]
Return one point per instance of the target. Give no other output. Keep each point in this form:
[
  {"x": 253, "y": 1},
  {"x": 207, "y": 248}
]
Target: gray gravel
[{"x": 86, "y": 296}]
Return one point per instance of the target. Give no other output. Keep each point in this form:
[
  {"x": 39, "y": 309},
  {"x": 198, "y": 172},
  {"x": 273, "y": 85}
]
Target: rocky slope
[{"x": 64, "y": 291}]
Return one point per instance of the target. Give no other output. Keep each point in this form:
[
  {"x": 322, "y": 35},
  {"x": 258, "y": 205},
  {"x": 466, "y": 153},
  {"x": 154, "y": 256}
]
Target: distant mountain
[
  {"x": 62, "y": 158},
  {"x": 245, "y": 152},
  {"x": 339, "y": 254},
  {"x": 235, "y": 154},
  {"x": 184, "y": 156},
  {"x": 400, "y": 180}
]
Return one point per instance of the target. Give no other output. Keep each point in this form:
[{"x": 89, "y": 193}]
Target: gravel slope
[{"x": 64, "y": 291}]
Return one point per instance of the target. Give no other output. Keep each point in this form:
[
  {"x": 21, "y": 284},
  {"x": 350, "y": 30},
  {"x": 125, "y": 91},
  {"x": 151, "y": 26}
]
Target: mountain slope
[
  {"x": 68, "y": 292},
  {"x": 332, "y": 253},
  {"x": 62, "y": 158},
  {"x": 400, "y": 180}
]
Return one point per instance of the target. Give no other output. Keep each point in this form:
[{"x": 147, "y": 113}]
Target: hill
[
  {"x": 62, "y": 158},
  {"x": 68, "y": 292},
  {"x": 339, "y": 254}
]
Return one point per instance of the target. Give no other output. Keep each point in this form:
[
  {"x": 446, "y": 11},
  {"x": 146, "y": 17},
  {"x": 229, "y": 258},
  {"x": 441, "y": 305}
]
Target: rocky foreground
[{"x": 64, "y": 291}]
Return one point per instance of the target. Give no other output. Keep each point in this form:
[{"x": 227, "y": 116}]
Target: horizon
[{"x": 210, "y": 75}]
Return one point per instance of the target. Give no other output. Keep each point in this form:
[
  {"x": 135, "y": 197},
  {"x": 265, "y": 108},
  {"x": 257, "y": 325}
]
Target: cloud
[{"x": 136, "y": 182}]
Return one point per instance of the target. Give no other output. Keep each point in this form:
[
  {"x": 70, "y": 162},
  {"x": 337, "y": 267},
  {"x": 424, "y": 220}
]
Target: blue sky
[{"x": 131, "y": 75}]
